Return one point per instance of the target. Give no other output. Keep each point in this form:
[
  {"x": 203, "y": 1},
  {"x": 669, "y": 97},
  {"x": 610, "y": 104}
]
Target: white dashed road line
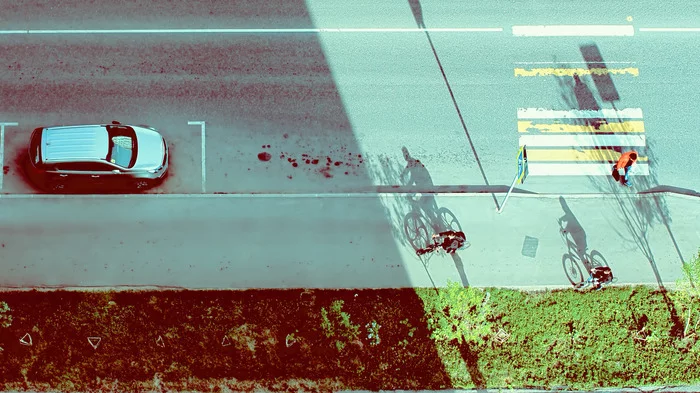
[
  {"x": 2, "y": 149},
  {"x": 573, "y": 30},
  {"x": 204, "y": 159},
  {"x": 670, "y": 29},
  {"x": 258, "y": 31}
]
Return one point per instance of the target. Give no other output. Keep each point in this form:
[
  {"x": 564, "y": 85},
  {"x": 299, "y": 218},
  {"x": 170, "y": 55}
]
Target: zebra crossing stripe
[
  {"x": 583, "y": 169},
  {"x": 533, "y": 141},
  {"x": 541, "y": 113},
  {"x": 622, "y": 127},
  {"x": 551, "y": 71},
  {"x": 575, "y": 155}
]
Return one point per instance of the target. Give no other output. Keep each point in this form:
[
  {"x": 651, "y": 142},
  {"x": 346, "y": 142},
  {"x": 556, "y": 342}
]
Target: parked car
[{"x": 96, "y": 156}]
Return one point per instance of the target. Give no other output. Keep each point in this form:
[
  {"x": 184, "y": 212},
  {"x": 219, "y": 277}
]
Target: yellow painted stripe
[
  {"x": 625, "y": 126},
  {"x": 547, "y": 71},
  {"x": 575, "y": 155}
]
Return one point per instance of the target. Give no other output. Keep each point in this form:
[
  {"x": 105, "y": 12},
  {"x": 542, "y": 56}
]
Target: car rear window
[
  {"x": 35, "y": 147},
  {"x": 122, "y": 145}
]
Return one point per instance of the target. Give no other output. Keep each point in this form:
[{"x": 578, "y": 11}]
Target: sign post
[{"x": 520, "y": 176}]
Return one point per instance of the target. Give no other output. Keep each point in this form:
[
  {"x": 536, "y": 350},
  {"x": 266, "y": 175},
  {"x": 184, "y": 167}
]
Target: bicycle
[
  {"x": 452, "y": 247},
  {"x": 589, "y": 283},
  {"x": 573, "y": 258},
  {"x": 416, "y": 222}
]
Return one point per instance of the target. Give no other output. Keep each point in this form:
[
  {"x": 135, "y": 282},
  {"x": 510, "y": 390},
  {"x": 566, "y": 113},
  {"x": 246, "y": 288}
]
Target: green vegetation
[
  {"x": 687, "y": 294},
  {"x": 5, "y": 317},
  {"x": 321, "y": 340}
]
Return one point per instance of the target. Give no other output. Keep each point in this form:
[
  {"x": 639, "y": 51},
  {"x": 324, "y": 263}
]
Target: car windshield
[{"x": 122, "y": 146}]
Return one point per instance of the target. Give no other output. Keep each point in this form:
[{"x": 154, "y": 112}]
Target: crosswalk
[{"x": 579, "y": 142}]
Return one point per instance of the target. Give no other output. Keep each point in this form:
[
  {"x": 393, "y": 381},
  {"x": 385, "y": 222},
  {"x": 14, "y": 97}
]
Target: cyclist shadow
[
  {"x": 577, "y": 255},
  {"x": 414, "y": 214},
  {"x": 425, "y": 218}
]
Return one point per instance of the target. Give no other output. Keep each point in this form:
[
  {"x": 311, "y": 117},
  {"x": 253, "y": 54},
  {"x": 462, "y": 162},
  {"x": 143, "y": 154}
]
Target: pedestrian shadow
[
  {"x": 414, "y": 214},
  {"x": 632, "y": 215}
]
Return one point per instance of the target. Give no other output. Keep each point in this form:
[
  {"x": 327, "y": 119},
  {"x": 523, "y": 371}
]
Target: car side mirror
[{"x": 116, "y": 171}]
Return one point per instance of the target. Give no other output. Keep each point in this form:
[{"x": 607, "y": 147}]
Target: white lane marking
[
  {"x": 373, "y": 195},
  {"x": 582, "y": 140},
  {"x": 573, "y": 30},
  {"x": 670, "y": 29},
  {"x": 2, "y": 149},
  {"x": 541, "y": 113},
  {"x": 259, "y": 31},
  {"x": 574, "y": 62},
  {"x": 551, "y": 169},
  {"x": 204, "y": 160}
]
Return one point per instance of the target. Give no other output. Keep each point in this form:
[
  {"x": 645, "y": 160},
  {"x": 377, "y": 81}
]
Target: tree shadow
[
  {"x": 633, "y": 215},
  {"x": 471, "y": 360}
]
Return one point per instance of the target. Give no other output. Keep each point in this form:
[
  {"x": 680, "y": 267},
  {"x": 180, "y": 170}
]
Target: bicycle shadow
[
  {"x": 415, "y": 215},
  {"x": 577, "y": 254}
]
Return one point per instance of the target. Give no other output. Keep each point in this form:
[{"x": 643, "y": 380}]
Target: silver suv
[{"x": 96, "y": 155}]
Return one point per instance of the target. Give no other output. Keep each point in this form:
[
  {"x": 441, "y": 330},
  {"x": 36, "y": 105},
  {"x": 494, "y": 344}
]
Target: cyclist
[
  {"x": 600, "y": 275},
  {"x": 450, "y": 241}
]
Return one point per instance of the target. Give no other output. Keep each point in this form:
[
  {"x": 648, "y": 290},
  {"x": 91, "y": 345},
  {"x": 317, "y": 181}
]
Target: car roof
[{"x": 74, "y": 143}]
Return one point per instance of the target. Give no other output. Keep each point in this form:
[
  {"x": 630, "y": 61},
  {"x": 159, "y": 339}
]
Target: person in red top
[{"x": 626, "y": 161}]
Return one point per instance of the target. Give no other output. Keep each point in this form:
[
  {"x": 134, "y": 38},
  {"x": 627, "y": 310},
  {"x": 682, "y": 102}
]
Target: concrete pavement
[{"x": 335, "y": 241}]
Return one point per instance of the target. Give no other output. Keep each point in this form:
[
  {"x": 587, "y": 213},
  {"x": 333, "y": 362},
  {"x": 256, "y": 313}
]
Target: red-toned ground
[{"x": 236, "y": 338}]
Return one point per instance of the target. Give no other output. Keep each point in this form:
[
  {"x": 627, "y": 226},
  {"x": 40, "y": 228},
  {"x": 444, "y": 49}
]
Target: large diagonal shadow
[{"x": 271, "y": 93}]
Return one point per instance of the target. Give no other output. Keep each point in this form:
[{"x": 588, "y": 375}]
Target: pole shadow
[{"x": 417, "y": 11}]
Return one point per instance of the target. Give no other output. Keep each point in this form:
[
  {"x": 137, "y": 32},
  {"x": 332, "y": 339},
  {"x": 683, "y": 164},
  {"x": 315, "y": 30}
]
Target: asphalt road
[{"x": 333, "y": 108}]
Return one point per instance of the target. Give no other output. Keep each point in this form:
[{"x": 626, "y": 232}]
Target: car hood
[{"x": 150, "y": 149}]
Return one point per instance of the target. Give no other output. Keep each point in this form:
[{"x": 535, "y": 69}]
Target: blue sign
[{"x": 522, "y": 165}]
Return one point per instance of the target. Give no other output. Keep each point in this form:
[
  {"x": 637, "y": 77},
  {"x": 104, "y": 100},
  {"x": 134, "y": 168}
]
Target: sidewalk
[
  {"x": 337, "y": 240},
  {"x": 643, "y": 238}
]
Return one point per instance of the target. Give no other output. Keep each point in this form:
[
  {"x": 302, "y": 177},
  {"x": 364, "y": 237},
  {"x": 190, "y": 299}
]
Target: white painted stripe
[
  {"x": 574, "y": 62},
  {"x": 302, "y": 196},
  {"x": 204, "y": 160},
  {"x": 541, "y": 113},
  {"x": 582, "y": 140},
  {"x": 550, "y": 169},
  {"x": 573, "y": 30},
  {"x": 671, "y": 29},
  {"x": 257, "y": 31},
  {"x": 2, "y": 150}
]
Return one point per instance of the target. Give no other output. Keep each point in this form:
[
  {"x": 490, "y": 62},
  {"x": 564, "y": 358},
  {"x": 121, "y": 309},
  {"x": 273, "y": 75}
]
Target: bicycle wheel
[
  {"x": 448, "y": 221},
  {"x": 596, "y": 259},
  {"x": 416, "y": 232},
  {"x": 572, "y": 270}
]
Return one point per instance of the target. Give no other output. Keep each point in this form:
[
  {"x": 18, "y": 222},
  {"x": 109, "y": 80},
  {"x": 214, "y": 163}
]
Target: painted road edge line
[
  {"x": 259, "y": 31},
  {"x": 541, "y": 113},
  {"x": 2, "y": 149},
  {"x": 572, "y": 30},
  {"x": 552, "y": 195},
  {"x": 203, "y": 127}
]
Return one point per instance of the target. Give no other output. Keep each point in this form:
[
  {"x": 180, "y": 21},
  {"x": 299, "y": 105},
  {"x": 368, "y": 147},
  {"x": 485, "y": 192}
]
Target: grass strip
[{"x": 323, "y": 340}]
